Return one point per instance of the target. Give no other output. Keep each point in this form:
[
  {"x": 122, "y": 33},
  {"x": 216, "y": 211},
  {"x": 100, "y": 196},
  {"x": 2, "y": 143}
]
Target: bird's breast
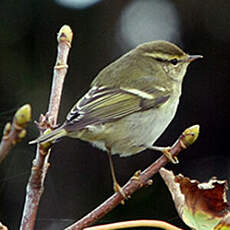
[{"x": 129, "y": 134}]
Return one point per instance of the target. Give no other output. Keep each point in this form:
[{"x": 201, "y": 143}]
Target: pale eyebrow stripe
[{"x": 163, "y": 57}]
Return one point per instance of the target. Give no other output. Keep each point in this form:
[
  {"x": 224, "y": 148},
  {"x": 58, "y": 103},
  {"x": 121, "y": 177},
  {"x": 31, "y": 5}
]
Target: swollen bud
[{"x": 23, "y": 115}]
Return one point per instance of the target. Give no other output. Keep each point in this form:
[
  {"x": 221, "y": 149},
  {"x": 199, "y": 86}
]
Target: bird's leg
[
  {"x": 166, "y": 152},
  {"x": 116, "y": 186}
]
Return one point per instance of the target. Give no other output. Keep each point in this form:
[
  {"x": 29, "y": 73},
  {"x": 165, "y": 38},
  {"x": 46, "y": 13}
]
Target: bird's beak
[{"x": 193, "y": 57}]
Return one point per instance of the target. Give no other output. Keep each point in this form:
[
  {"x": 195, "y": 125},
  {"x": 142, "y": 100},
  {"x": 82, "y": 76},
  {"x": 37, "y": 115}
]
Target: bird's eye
[{"x": 174, "y": 61}]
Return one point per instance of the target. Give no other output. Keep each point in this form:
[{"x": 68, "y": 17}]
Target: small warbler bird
[{"x": 130, "y": 103}]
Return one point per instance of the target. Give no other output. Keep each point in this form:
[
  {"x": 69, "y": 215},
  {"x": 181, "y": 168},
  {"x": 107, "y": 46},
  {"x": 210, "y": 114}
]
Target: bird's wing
[{"x": 104, "y": 104}]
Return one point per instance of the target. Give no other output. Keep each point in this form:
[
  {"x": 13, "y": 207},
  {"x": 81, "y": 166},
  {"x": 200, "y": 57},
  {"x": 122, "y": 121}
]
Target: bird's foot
[
  {"x": 167, "y": 152},
  {"x": 118, "y": 188}
]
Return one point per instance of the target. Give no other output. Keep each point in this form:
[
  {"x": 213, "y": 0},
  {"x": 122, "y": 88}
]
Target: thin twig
[
  {"x": 40, "y": 166},
  {"x": 187, "y": 138},
  {"x": 134, "y": 224},
  {"x": 14, "y": 132}
]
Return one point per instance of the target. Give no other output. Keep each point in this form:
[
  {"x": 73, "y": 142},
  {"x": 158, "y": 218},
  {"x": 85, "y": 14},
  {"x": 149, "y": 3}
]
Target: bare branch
[
  {"x": 135, "y": 223},
  {"x": 13, "y": 133},
  {"x": 64, "y": 39},
  {"x": 187, "y": 138},
  {"x": 40, "y": 166}
]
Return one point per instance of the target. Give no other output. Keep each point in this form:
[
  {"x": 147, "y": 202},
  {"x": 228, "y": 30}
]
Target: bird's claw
[
  {"x": 167, "y": 152},
  {"x": 118, "y": 188}
]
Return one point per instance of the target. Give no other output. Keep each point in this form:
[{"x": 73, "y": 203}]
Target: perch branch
[
  {"x": 134, "y": 224},
  {"x": 13, "y": 133},
  {"x": 187, "y": 138},
  {"x": 40, "y": 166}
]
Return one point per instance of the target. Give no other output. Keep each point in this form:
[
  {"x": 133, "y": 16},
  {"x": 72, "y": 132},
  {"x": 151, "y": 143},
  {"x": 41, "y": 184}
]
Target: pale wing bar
[{"x": 104, "y": 104}]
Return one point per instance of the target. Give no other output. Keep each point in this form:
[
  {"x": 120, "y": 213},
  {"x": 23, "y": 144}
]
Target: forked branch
[{"x": 40, "y": 166}]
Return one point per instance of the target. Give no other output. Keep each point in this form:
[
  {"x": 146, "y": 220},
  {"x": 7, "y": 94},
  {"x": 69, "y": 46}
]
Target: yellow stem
[{"x": 135, "y": 223}]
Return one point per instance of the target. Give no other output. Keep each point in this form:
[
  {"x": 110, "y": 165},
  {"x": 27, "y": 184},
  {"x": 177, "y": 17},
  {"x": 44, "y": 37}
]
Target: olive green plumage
[
  {"x": 130, "y": 103},
  {"x": 139, "y": 89}
]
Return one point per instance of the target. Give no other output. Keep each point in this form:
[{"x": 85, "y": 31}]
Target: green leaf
[{"x": 224, "y": 223}]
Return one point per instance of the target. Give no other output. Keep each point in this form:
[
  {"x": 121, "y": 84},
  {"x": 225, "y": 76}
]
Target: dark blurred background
[{"x": 79, "y": 177}]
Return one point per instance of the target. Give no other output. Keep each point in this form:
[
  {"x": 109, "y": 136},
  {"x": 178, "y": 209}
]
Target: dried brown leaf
[{"x": 201, "y": 205}]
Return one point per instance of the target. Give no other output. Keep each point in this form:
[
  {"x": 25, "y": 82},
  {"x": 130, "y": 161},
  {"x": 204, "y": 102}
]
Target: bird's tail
[{"x": 53, "y": 135}]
